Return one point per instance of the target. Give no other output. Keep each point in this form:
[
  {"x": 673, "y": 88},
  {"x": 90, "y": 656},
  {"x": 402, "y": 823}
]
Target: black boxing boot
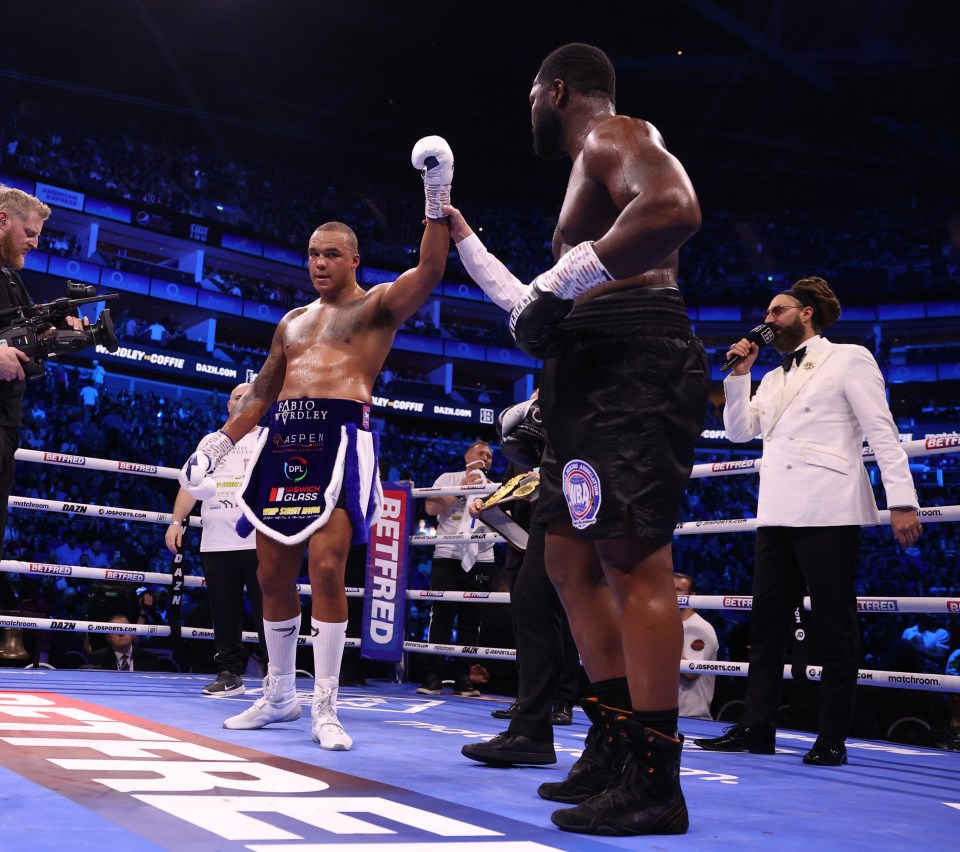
[
  {"x": 598, "y": 764},
  {"x": 645, "y": 798}
]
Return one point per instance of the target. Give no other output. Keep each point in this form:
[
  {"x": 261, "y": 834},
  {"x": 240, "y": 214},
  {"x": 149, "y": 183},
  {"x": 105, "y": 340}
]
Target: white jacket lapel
[{"x": 811, "y": 363}]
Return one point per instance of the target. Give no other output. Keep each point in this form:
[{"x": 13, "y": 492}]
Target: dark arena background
[{"x": 188, "y": 148}]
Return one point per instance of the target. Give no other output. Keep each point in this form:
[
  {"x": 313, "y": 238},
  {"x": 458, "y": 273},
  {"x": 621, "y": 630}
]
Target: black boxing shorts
[
  {"x": 622, "y": 405},
  {"x": 316, "y": 455}
]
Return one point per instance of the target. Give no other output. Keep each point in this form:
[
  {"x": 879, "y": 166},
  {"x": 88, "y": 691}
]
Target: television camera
[{"x": 29, "y": 328}]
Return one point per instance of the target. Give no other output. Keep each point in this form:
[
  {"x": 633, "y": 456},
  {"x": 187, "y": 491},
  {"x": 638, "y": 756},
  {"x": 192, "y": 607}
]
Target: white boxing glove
[
  {"x": 433, "y": 157},
  {"x": 204, "y": 491},
  {"x": 209, "y": 453}
]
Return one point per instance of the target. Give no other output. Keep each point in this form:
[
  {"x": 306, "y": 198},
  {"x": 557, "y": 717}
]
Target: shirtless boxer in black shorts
[{"x": 623, "y": 397}]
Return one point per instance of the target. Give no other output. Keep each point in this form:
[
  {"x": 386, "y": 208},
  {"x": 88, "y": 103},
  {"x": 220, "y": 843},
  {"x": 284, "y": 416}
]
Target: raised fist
[{"x": 433, "y": 157}]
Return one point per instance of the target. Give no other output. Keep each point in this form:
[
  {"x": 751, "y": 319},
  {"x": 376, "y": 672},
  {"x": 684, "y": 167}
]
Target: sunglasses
[{"x": 779, "y": 310}]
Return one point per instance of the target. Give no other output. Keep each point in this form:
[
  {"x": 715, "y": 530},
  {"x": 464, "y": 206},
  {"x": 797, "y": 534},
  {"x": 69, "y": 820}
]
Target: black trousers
[
  {"x": 227, "y": 573},
  {"x": 547, "y": 656},
  {"x": 790, "y": 561},
  {"x": 447, "y": 575},
  {"x": 9, "y": 443}
]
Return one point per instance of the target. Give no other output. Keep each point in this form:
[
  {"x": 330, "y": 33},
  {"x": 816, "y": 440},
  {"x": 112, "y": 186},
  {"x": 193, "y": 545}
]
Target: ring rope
[
  {"x": 923, "y": 447},
  {"x": 92, "y": 510},
  {"x": 85, "y": 572},
  {"x": 13, "y": 566},
  {"x": 454, "y": 490},
  {"x": 932, "y": 446},
  {"x": 932, "y": 514},
  {"x": 91, "y": 463},
  {"x": 865, "y": 677},
  {"x": 880, "y": 605}
]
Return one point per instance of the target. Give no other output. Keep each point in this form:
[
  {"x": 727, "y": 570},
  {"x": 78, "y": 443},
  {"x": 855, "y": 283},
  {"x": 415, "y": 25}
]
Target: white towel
[{"x": 467, "y": 524}]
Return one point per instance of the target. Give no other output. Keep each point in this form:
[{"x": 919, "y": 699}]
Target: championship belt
[{"x": 496, "y": 509}]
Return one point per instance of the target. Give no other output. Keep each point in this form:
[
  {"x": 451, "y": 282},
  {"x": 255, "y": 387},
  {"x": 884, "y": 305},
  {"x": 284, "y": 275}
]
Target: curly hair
[
  {"x": 816, "y": 293},
  {"x": 585, "y": 69}
]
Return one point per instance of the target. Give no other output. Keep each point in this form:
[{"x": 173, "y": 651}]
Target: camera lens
[{"x": 80, "y": 291}]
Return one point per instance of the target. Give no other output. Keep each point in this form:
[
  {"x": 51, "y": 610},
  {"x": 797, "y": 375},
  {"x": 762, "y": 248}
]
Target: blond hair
[{"x": 21, "y": 204}]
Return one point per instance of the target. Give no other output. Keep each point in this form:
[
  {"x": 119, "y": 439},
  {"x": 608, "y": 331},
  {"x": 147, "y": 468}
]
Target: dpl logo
[{"x": 295, "y": 468}]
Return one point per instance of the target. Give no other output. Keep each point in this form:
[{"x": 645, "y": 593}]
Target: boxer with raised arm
[
  {"x": 623, "y": 397},
  {"x": 315, "y": 481}
]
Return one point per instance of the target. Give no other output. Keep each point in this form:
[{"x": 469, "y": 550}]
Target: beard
[
  {"x": 789, "y": 336},
  {"x": 546, "y": 136},
  {"x": 9, "y": 253}
]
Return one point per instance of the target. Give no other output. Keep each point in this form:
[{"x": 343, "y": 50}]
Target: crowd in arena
[{"x": 886, "y": 250}]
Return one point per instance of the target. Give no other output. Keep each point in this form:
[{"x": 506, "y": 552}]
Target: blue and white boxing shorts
[{"x": 314, "y": 456}]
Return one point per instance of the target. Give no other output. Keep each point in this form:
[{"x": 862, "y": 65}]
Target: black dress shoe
[
  {"x": 507, "y": 713},
  {"x": 431, "y": 686},
  {"x": 826, "y": 752},
  {"x": 508, "y": 749},
  {"x": 562, "y": 714},
  {"x": 741, "y": 738}
]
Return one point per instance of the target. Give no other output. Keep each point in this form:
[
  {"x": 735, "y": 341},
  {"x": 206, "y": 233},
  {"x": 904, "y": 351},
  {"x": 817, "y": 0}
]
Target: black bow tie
[{"x": 792, "y": 358}]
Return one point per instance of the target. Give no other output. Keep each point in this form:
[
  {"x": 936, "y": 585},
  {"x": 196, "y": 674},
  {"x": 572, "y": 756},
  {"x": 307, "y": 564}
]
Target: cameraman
[{"x": 21, "y": 221}]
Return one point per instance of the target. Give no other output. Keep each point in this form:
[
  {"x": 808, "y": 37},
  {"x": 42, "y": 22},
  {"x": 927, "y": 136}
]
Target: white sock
[
  {"x": 327, "y": 647},
  {"x": 282, "y": 645}
]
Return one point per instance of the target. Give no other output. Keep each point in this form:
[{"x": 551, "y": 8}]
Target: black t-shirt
[{"x": 12, "y": 294}]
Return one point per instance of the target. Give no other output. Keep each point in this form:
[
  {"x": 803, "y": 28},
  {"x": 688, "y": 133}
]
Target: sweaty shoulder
[
  {"x": 621, "y": 135},
  {"x": 297, "y": 312}
]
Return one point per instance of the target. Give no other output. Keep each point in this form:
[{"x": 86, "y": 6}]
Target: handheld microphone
[{"x": 761, "y": 335}]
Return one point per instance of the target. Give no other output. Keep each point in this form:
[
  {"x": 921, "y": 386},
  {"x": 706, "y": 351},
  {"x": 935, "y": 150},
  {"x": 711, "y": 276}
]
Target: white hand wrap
[
  {"x": 488, "y": 271},
  {"x": 209, "y": 453},
  {"x": 576, "y": 273},
  {"x": 433, "y": 157}
]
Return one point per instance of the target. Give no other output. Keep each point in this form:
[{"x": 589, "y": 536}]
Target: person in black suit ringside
[{"x": 122, "y": 654}]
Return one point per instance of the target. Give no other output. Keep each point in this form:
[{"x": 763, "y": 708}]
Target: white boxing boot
[
  {"x": 279, "y": 703},
  {"x": 325, "y": 726}
]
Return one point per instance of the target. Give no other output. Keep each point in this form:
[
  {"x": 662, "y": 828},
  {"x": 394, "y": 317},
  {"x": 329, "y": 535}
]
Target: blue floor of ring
[{"x": 405, "y": 785}]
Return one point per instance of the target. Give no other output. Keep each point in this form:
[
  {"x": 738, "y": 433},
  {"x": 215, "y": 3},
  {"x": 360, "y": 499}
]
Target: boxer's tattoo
[{"x": 345, "y": 321}]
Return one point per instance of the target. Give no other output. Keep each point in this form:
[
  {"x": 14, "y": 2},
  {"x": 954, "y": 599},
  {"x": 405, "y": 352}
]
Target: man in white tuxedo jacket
[{"x": 815, "y": 495}]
